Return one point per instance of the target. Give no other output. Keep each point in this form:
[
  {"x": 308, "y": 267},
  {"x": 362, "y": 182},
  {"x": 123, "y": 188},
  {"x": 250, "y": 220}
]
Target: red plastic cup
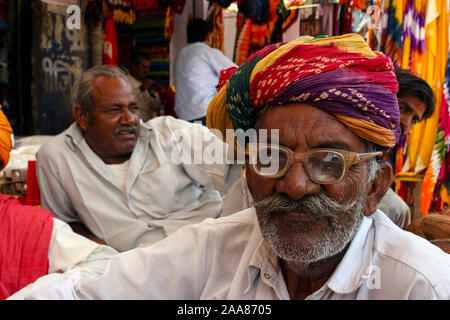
[{"x": 33, "y": 196}]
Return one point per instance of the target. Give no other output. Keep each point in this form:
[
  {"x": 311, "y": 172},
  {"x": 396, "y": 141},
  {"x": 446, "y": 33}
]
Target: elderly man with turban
[
  {"x": 33, "y": 243},
  {"x": 314, "y": 231}
]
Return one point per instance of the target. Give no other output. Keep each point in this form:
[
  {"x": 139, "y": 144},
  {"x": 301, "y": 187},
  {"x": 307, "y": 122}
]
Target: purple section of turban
[{"x": 347, "y": 93}]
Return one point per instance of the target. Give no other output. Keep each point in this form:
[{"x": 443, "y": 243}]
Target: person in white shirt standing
[
  {"x": 197, "y": 71},
  {"x": 149, "y": 102}
]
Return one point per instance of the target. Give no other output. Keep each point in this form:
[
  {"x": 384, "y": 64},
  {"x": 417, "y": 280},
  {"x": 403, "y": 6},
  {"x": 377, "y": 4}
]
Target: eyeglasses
[{"x": 323, "y": 165}]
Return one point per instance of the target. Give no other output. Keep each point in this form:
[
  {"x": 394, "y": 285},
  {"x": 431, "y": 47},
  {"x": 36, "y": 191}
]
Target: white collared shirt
[
  {"x": 227, "y": 258},
  {"x": 196, "y": 75}
]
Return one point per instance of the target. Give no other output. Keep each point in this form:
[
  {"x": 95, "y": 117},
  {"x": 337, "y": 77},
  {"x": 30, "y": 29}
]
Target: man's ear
[
  {"x": 378, "y": 188},
  {"x": 81, "y": 116}
]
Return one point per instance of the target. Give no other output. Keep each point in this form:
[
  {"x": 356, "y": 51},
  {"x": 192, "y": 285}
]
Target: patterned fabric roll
[{"x": 340, "y": 75}]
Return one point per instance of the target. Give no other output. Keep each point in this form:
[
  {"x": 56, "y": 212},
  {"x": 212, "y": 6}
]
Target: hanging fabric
[
  {"x": 427, "y": 59},
  {"x": 218, "y": 41},
  {"x": 391, "y": 41},
  {"x": 441, "y": 152},
  {"x": 243, "y": 35},
  {"x": 436, "y": 29},
  {"x": 110, "y": 54},
  {"x": 169, "y": 23},
  {"x": 122, "y": 10}
]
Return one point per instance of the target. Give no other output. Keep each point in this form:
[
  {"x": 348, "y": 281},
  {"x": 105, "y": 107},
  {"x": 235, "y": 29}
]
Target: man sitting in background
[
  {"x": 149, "y": 102},
  {"x": 114, "y": 178},
  {"x": 416, "y": 102},
  {"x": 33, "y": 243}
]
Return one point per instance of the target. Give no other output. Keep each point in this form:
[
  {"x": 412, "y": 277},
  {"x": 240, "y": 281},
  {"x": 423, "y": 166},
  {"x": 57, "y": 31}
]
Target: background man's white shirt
[{"x": 196, "y": 76}]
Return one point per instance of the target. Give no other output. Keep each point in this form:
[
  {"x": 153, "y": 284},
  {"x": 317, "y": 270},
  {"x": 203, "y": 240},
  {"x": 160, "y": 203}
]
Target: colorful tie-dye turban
[
  {"x": 340, "y": 75},
  {"x": 5, "y": 139}
]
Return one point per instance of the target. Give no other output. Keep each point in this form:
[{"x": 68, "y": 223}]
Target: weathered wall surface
[{"x": 60, "y": 55}]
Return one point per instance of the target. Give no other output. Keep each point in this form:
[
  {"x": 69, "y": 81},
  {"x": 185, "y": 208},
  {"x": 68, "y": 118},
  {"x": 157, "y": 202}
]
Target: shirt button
[{"x": 266, "y": 275}]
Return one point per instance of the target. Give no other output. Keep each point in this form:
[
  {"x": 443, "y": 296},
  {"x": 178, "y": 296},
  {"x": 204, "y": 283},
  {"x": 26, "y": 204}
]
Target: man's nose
[
  {"x": 296, "y": 183},
  {"x": 127, "y": 117},
  {"x": 408, "y": 123}
]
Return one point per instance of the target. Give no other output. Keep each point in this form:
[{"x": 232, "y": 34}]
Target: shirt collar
[
  {"x": 74, "y": 134},
  {"x": 75, "y": 140},
  {"x": 355, "y": 265},
  {"x": 264, "y": 263}
]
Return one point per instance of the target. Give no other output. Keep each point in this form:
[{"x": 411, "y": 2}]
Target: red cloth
[
  {"x": 167, "y": 97},
  {"x": 225, "y": 75},
  {"x": 110, "y": 51},
  {"x": 25, "y": 233}
]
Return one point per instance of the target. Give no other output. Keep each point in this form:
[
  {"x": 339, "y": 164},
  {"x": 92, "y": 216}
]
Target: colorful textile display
[
  {"x": 122, "y": 10},
  {"x": 443, "y": 184},
  {"x": 217, "y": 30},
  {"x": 441, "y": 151},
  {"x": 243, "y": 36},
  {"x": 428, "y": 59},
  {"x": 362, "y": 94},
  {"x": 258, "y": 23},
  {"x": 169, "y": 23},
  {"x": 413, "y": 33},
  {"x": 151, "y": 33},
  {"x": 391, "y": 41}
]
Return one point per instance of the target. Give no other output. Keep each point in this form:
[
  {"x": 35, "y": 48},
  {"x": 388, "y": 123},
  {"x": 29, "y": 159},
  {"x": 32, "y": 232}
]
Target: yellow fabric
[
  {"x": 5, "y": 139},
  {"x": 365, "y": 130},
  {"x": 430, "y": 66},
  {"x": 217, "y": 115}
]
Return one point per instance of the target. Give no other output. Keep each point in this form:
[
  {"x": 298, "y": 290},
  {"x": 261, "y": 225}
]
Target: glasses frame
[{"x": 350, "y": 159}]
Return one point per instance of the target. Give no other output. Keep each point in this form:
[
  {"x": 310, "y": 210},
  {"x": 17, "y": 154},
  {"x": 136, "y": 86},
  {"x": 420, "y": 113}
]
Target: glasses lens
[
  {"x": 325, "y": 167},
  {"x": 271, "y": 160}
]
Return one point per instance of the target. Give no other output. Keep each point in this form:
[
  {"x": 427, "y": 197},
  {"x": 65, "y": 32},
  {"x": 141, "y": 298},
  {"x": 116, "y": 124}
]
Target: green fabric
[{"x": 238, "y": 102}]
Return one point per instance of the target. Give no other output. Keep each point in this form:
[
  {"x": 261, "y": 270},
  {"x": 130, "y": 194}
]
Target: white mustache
[{"x": 319, "y": 205}]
